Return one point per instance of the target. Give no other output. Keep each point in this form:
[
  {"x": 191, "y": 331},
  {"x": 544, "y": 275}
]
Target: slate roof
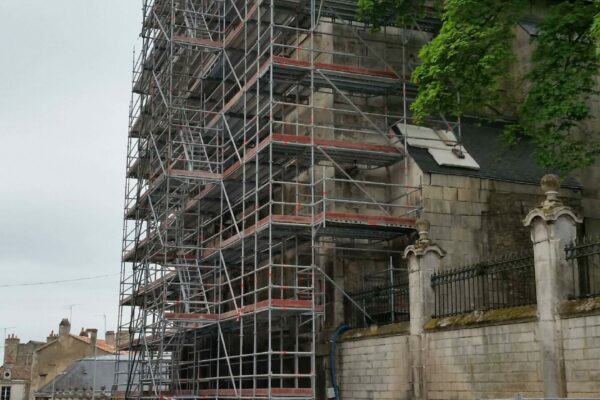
[
  {"x": 496, "y": 160},
  {"x": 80, "y": 375}
]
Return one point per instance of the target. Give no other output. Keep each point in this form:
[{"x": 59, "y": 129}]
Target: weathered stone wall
[
  {"x": 376, "y": 368},
  {"x": 488, "y": 362},
  {"x": 581, "y": 347},
  {"x": 473, "y": 218}
]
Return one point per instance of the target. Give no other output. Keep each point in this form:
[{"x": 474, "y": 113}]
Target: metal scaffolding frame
[{"x": 258, "y": 145}]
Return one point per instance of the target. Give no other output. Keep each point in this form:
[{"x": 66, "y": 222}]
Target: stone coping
[
  {"x": 400, "y": 328},
  {"x": 512, "y": 315},
  {"x": 482, "y": 318},
  {"x": 580, "y": 307}
]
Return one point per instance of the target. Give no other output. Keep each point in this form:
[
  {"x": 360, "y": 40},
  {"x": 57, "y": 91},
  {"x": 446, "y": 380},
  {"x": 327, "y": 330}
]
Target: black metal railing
[
  {"x": 584, "y": 258},
  {"x": 493, "y": 284},
  {"x": 384, "y": 304}
]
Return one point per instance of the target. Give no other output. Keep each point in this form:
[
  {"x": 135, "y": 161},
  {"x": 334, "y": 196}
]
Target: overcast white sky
[{"x": 65, "y": 71}]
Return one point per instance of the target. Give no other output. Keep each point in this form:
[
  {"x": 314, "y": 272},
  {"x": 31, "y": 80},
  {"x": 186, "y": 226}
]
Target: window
[{"x": 5, "y": 393}]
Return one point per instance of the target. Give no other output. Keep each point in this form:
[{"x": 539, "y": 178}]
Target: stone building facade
[
  {"x": 15, "y": 373},
  {"x": 490, "y": 361},
  {"x": 63, "y": 350}
]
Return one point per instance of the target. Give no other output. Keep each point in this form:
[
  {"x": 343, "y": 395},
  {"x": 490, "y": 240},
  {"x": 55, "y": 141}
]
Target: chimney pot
[
  {"x": 50, "y": 337},
  {"x": 109, "y": 337},
  {"x": 64, "y": 328},
  {"x": 93, "y": 332}
]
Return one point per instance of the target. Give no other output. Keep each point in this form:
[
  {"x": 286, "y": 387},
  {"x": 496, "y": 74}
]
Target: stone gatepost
[
  {"x": 424, "y": 258},
  {"x": 553, "y": 225}
]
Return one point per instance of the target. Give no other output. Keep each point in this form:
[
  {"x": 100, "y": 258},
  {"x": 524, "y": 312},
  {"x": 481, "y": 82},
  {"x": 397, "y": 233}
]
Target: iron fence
[
  {"x": 584, "y": 258},
  {"x": 385, "y": 305},
  {"x": 492, "y": 284}
]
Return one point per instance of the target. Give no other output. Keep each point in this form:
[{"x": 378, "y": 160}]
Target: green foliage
[
  {"x": 461, "y": 66},
  {"x": 562, "y": 81},
  {"x": 381, "y": 12}
]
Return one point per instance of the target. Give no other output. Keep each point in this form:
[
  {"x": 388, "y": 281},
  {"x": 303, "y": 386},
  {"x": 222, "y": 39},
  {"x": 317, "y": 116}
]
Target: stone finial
[
  {"x": 423, "y": 243},
  {"x": 423, "y": 226},
  {"x": 551, "y": 208},
  {"x": 550, "y": 184}
]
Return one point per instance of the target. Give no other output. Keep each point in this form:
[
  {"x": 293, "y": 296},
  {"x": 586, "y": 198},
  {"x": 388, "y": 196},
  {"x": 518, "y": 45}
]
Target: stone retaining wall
[{"x": 482, "y": 362}]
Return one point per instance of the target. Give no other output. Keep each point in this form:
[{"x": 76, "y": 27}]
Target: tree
[
  {"x": 462, "y": 66},
  {"x": 562, "y": 82}
]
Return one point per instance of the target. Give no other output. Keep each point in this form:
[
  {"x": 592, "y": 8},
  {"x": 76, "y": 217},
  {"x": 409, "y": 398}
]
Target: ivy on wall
[{"x": 462, "y": 66}]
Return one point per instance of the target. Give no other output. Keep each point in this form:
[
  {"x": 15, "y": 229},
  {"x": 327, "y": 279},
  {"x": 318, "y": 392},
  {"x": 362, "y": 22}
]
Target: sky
[{"x": 65, "y": 82}]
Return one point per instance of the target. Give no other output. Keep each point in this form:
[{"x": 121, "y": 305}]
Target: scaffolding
[{"x": 260, "y": 153}]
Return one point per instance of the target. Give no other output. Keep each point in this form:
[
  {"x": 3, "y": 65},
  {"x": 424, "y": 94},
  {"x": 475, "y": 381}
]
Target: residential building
[
  {"x": 15, "y": 373},
  {"x": 89, "y": 377},
  {"x": 62, "y": 350}
]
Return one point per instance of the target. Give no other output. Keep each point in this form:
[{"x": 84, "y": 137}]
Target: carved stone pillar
[
  {"x": 424, "y": 258},
  {"x": 553, "y": 225}
]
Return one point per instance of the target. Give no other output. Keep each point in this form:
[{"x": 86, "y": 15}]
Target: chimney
[
  {"x": 51, "y": 337},
  {"x": 93, "y": 333},
  {"x": 64, "y": 329},
  {"x": 109, "y": 337},
  {"x": 11, "y": 349},
  {"x": 122, "y": 338}
]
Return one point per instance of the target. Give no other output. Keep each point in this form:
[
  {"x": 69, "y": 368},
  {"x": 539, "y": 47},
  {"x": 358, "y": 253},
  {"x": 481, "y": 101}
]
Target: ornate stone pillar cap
[
  {"x": 551, "y": 208},
  {"x": 423, "y": 243}
]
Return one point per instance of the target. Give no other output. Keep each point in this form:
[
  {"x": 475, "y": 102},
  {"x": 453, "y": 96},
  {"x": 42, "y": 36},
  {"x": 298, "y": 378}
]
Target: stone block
[
  {"x": 472, "y": 222},
  {"x": 441, "y": 233},
  {"x": 439, "y": 180},
  {"x": 462, "y": 208},
  {"x": 585, "y": 388},
  {"x": 433, "y": 192},
  {"x": 483, "y": 196},
  {"x": 480, "y": 208},
  {"x": 576, "y": 332},
  {"x": 465, "y": 194},
  {"x": 426, "y": 179},
  {"x": 458, "y": 181},
  {"x": 475, "y": 183},
  {"x": 437, "y": 206},
  {"x": 450, "y": 193},
  {"x": 578, "y": 343}
]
